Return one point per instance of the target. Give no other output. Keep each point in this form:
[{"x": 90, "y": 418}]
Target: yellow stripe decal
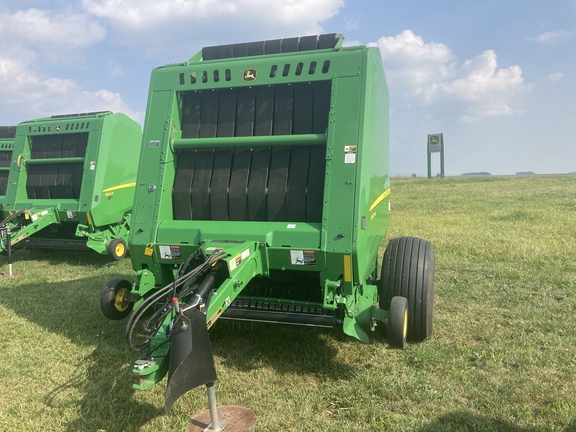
[
  {"x": 381, "y": 198},
  {"x": 89, "y": 218},
  {"x": 347, "y": 269},
  {"x": 124, "y": 186}
]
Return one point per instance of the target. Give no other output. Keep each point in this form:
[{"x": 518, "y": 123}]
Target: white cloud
[
  {"x": 482, "y": 80},
  {"x": 555, "y": 77},
  {"x": 48, "y": 29},
  {"x": 166, "y": 28},
  {"x": 31, "y": 40},
  {"x": 428, "y": 73},
  {"x": 115, "y": 68},
  {"x": 350, "y": 23},
  {"x": 141, "y": 15},
  {"x": 554, "y": 36},
  {"x": 28, "y": 95},
  {"x": 411, "y": 63}
]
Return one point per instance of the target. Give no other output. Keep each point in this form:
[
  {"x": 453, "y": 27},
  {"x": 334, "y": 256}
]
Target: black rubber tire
[
  {"x": 408, "y": 269},
  {"x": 398, "y": 322},
  {"x": 113, "y": 299},
  {"x": 117, "y": 249}
]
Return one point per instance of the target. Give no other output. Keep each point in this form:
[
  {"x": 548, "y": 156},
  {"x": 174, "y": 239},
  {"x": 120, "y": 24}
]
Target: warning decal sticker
[
  {"x": 350, "y": 154},
  {"x": 237, "y": 260},
  {"x": 303, "y": 257},
  {"x": 170, "y": 252}
]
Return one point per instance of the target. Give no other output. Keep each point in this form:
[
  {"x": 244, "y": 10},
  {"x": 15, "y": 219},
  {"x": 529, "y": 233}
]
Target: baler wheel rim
[
  {"x": 117, "y": 249},
  {"x": 398, "y": 322},
  {"x": 120, "y": 300},
  {"x": 113, "y": 299}
]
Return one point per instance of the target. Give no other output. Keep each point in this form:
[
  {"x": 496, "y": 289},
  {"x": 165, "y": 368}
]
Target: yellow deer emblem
[{"x": 249, "y": 75}]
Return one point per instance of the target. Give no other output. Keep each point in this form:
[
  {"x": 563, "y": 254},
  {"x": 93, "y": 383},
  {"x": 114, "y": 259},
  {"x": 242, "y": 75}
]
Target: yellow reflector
[
  {"x": 347, "y": 268},
  {"x": 89, "y": 218}
]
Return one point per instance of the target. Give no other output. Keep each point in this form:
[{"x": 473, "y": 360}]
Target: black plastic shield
[{"x": 191, "y": 360}]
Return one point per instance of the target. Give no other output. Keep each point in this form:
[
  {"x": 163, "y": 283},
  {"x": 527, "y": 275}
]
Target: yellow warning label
[{"x": 214, "y": 317}]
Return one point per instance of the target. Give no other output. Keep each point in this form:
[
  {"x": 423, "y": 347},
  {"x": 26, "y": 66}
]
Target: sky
[{"x": 497, "y": 78}]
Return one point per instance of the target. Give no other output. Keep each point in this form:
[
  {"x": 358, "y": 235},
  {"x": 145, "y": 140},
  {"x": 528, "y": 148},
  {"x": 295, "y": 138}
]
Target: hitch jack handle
[{"x": 215, "y": 424}]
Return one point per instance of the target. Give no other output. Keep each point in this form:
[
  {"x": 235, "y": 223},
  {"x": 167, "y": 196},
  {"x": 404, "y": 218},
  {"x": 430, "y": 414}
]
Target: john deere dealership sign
[{"x": 435, "y": 143}]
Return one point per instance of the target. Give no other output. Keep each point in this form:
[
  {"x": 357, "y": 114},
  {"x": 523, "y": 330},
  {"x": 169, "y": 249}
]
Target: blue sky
[{"x": 498, "y": 78}]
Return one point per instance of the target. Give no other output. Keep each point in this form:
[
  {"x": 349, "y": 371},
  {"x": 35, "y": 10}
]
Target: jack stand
[
  {"x": 215, "y": 425},
  {"x": 9, "y": 253},
  {"x": 238, "y": 419}
]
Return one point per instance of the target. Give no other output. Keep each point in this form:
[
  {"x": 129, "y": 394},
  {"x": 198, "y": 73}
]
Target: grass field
[{"x": 502, "y": 356}]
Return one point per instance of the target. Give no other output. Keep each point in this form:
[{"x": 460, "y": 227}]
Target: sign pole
[
  {"x": 435, "y": 145},
  {"x": 442, "y": 164}
]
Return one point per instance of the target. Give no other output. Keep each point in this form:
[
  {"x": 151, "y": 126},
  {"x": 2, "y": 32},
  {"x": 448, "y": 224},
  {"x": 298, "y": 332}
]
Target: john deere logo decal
[
  {"x": 57, "y": 128},
  {"x": 433, "y": 140},
  {"x": 249, "y": 75}
]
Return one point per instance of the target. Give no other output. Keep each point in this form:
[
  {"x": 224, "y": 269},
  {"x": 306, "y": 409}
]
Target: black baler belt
[
  {"x": 191, "y": 115},
  {"x": 245, "y": 111},
  {"x": 30, "y": 185},
  {"x": 201, "y": 185},
  {"x": 208, "y": 115},
  {"x": 239, "y": 184},
  {"x": 219, "y": 184},
  {"x": 3, "y": 182},
  {"x": 283, "y": 104},
  {"x": 79, "y": 144},
  {"x": 257, "y": 184},
  {"x": 5, "y": 158},
  {"x": 53, "y": 150},
  {"x": 183, "y": 185},
  {"x": 264, "y": 111},
  {"x": 34, "y": 182},
  {"x": 65, "y": 172},
  {"x": 303, "y": 108},
  {"x": 256, "y": 48},
  {"x": 77, "y": 171},
  {"x": 297, "y": 179},
  {"x": 277, "y": 181},
  {"x": 227, "y": 113}
]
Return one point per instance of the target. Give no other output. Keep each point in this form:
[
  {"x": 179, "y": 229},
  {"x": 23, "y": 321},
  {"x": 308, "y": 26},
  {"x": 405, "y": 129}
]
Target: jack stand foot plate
[{"x": 239, "y": 419}]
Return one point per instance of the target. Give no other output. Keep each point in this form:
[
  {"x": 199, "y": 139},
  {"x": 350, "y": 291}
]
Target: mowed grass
[{"x": 502, "y": 356}]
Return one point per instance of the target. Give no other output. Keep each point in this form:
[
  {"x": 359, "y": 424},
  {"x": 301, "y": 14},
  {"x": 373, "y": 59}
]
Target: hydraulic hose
[
  {"x": 187, "y": 280},
  {"x": 204, "y": 287}
]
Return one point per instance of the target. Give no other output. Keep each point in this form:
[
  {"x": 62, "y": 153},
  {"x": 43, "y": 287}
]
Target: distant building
[{"x": 481, "y": 173}]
